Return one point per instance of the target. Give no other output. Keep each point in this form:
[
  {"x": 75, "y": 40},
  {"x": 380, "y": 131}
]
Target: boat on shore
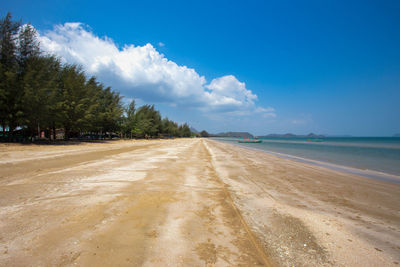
[
  {"x": 247, "y": 140},
  {"x": 314, "y": 140}
]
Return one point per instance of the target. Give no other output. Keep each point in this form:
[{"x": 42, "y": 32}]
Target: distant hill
[
  {"x": 290, "y": 135},
  {"x": 193, "y": 130},
  {"x": 235, "y": 134},
  {"x": 279, "y": 135},
  {"x": 338, "y": 135},
  {"x": 313, "y": 135},
  {"x": 396, "y": 135}
]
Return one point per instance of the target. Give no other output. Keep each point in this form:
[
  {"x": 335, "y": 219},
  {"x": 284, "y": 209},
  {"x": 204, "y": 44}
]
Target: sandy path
[
  {"x": 158, "y": 203},
  {"x": 188, "y": 202}
]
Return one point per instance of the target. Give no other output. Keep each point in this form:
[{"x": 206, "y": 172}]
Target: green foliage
[
  {"x": 204, "y": 134},
  {"x": 10, "y": 111},
  {"x": 74, "y": 98},
  {"x": 170, "y": 128},
  {"x": 39, "y": 84},
  {"x": 8, "y": 45},
  {"x": 148, "y": 121},
  {"x": 39, "y": 93},
  {"x": 184, "y": 131},
  {"x": 128, "y": 123},
  {"x": 28, "y": 45}
]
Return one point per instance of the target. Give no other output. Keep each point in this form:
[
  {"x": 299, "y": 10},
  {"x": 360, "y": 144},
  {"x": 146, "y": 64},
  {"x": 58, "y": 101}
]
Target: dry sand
[{"x": 188, "y": 202}]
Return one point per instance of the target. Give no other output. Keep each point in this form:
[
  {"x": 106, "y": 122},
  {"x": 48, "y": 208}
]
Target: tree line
[{"x": 39, "y": 93}]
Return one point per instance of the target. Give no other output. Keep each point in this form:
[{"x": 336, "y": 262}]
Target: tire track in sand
[{"x": 250, "y": 234}]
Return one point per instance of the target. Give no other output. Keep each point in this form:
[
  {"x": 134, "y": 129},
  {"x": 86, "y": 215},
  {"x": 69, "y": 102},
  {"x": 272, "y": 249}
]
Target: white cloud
[
  {"x": 228, "y": 91},
  {"x": 142, "y": 72},
  {"x": 161, "y": 44}
]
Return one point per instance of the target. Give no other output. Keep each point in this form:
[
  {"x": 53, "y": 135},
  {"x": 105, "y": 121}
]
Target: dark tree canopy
[{"x": 204, "y": 134}]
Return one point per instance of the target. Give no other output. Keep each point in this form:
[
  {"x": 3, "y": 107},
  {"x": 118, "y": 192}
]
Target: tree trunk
[
  {"x": 11, "y": 132},
  {"x": 54, "y": 132},
  {"x": 66, "y": 133}
]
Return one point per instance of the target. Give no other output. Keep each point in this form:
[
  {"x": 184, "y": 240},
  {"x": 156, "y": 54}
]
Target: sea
[{"x": 374, "y": 155}]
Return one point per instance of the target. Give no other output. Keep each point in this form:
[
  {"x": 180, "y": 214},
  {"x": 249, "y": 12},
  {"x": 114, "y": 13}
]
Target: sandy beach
[{"x": 188, "y": 202}]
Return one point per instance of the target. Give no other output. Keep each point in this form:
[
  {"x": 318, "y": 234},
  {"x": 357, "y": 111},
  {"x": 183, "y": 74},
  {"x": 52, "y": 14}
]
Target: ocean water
[{"x": 381, "y": 154}]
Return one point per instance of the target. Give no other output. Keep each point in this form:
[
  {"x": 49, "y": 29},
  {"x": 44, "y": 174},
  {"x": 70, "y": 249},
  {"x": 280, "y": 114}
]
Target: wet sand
[
  {"x": 188, "y": 202},
  {"x": 365, "y": 173}
]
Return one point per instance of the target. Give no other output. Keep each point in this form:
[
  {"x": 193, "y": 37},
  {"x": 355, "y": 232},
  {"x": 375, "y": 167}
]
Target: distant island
[
  {"x": 234, "y": 134},
  {"x": 290, "y": 135},
  {"x": 249, "y": 135},
  {"x": 396, "y": 135}
]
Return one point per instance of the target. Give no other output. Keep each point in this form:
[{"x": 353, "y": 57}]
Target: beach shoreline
[
  {"x": 382, "y": 176},
  {"x": 189, "y": 202},
  {"x": 319, "y": 198}
]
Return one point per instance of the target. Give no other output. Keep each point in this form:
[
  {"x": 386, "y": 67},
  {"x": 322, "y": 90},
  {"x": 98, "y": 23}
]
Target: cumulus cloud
[
  {"x": 142, "y": 72},
  {"x": 228, "y": 91}
]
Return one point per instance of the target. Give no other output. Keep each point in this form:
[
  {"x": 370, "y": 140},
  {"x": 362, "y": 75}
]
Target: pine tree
[
  {"x": 8, "y": 45},
  {"x": 37, "y": 92},
  {"x": 74, "y": 101},
  {"x": 28, "y": 45},
  {"x": 184, "y": 130},
  {"x": 40, "y": 85},
  {"x": 130, "y": 119},
  {"x": 10, "y": 108}
]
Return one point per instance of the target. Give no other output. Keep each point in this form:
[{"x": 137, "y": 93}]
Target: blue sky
[{"x": 330, "y": 67}]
